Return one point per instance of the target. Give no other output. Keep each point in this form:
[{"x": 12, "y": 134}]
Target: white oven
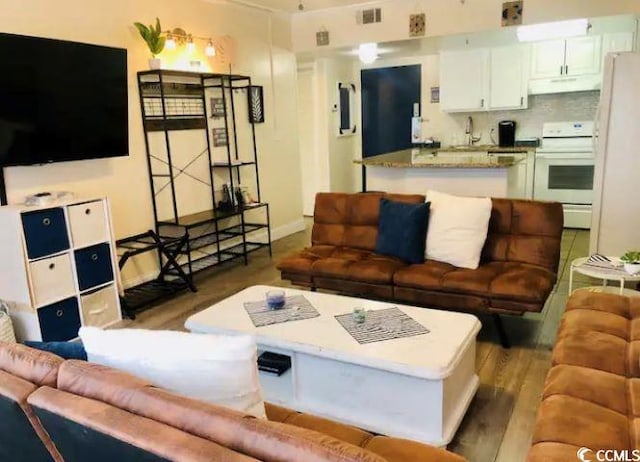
[
  {"x": 566, "y": 178},
  {"x": 564, "y": 170}
]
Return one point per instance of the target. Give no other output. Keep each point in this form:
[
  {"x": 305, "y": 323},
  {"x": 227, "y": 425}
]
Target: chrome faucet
[{"x": 468, "y": 130}]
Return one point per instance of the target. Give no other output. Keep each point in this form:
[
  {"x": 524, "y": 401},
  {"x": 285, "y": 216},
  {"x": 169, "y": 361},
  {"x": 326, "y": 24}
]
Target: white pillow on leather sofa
[
  {"x": 458, "y": 228},
  {"x": 215, "y": 368}
]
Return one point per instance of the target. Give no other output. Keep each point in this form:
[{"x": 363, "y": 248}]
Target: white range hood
[{"x": 565, "y": 84}]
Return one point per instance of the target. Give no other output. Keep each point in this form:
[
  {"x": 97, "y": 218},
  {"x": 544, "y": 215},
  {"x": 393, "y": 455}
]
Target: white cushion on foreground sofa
[{"x": 214, "y": 368}]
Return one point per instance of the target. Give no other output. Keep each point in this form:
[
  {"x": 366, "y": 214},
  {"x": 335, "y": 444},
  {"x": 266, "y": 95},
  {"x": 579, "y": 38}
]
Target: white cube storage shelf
[{"x": 59, "y": 269}]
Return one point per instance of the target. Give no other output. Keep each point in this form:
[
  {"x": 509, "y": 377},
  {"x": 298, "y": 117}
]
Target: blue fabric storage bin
[
  {"x": 45, "y": 232},
  {"x": 60, "y": 321},
  {"x": 93, "y": 265}
]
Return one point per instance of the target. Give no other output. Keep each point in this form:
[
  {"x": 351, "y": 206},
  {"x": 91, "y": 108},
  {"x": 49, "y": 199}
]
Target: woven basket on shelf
[{"x": 6, "y": 328}]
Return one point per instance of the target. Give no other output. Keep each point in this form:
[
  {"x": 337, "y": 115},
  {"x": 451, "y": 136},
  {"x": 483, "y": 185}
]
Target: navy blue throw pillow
[
  {"x": 402, "y": 230},
  {"x": 66, "y": 350}
]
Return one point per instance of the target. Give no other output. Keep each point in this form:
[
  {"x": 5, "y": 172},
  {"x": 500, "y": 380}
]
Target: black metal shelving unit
[
  {"x": 171, "y": 278},
  {"x": 186, "y": 198}
]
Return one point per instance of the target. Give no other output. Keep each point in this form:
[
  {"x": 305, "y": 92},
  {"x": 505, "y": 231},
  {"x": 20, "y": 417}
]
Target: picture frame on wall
[
  {"x": 256, "y": 104},
  {"x": 220, "y": 137},
  {"x": 217, "y": 107}
]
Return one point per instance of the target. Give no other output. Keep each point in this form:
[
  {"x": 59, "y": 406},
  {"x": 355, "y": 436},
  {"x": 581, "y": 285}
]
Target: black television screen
[{"x": 61, "y": 101}]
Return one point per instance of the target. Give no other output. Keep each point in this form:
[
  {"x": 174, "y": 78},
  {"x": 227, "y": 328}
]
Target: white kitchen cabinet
[
  {"x": 508, "y": 77},
  {"x": 559, "y": 66},
  {"x": 616, "y": 42},
  {"x": 570, "y": 57},
  {"x": 547, "y": 59},
  {"x": 59, "y": 269},
  {"x": 464, "y": 80},
  {"x": 582, "y": 56}
]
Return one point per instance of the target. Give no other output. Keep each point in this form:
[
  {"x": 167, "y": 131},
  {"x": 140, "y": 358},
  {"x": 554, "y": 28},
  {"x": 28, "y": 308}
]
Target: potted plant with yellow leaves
[{"x": 152, "y": 35}]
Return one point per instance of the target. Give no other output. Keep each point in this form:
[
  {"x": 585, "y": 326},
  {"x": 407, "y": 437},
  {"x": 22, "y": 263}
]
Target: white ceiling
[{"x": 291, "y": 6}]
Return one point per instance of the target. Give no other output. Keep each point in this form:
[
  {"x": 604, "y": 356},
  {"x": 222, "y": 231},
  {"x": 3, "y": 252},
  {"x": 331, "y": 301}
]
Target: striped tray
[
  {"x": 296, "y": 308},
  {"x": 381, "y": 325}
]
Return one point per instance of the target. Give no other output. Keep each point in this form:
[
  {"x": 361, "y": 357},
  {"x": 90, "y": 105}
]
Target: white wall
[
  {"x": 444, "y": 17},
  {"x": 340, "y": 148},
  {"x": 125, "y": 180},
  {"x": 331, "y": 155}
]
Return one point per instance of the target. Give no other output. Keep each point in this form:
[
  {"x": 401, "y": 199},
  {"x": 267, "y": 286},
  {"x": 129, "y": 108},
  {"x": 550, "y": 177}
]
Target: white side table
[{"x": 606, "y": 274}]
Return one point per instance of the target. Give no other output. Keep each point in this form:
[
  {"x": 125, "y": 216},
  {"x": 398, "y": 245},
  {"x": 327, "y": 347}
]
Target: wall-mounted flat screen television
[{"x": 61, "y": 101}]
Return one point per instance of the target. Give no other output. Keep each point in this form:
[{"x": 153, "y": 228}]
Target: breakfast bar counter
[{"x": 470, "y": 170}]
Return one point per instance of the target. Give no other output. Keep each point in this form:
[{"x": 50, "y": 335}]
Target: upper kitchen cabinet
[
  {"x": 508, "y": 77},
  {"x": 547, "y": 59},
  {"x": 582, "y": 56},
  {"x": 484, "y": 79},
  {"x": 616, "y": 42},
  {"x": 464, "y": 80},
  {"x": 566, "y": 65}
]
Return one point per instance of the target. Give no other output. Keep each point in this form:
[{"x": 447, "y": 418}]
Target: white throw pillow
[
  {"x": 458, "y": 228},
  {"x": 214, "y": 368}
]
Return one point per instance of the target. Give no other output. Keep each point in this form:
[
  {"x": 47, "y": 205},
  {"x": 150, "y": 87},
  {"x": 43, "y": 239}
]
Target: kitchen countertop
[{"x": 455, "y": 157}]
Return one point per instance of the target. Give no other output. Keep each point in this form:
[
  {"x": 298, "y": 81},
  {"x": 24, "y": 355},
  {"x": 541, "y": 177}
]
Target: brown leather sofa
[
  {"x": 591, "y": 397},
  {"x": 517, "y": 272},
  {"x": 76, "y": 411}
]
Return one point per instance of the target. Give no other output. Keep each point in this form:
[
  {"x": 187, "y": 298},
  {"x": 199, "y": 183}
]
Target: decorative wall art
[
  {"x": 346, "y": 108},
  {"x": 256, "y": 104},
  {"x": 435, "y": 94},
  {"x": 220, "y": 137},
  {"x": 512, "y": 13},
  {"x": 417, "y": 25},
  {"x": 217, "y": 107},
  {"x": 322, "y": 38}
]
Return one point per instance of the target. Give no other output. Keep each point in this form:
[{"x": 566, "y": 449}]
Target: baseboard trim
[
  {"x": 288, "y": 229},
  {"x": 276, "y": 233}
]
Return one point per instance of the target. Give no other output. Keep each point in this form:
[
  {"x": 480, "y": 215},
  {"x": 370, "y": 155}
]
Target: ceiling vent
[{"x": 369, "y": 16}]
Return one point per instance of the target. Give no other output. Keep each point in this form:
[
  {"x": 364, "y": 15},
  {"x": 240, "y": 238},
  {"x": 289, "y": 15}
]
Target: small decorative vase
[
  {"x": 632, "y": 268},
  {"x": 359, "y": 315},
  {"x": 275, "y": 299},
  {"x": 155, "y": 63}
]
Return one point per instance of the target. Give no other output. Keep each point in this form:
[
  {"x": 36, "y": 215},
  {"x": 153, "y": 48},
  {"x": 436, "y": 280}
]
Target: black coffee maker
[{"x": 507, "y": 133}]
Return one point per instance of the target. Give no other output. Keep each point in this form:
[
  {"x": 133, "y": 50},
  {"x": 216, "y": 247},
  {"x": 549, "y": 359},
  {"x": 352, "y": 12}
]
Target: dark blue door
[{"x": 388, "y": 96}]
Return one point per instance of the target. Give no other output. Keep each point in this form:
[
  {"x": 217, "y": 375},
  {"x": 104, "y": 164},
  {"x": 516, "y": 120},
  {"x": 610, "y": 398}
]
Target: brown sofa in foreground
[
  {"x": 55, "y": 410},
  {"x": 591, "y": 397},
  {"x": 517, "y": 272}
]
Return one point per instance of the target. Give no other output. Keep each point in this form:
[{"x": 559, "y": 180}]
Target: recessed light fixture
[
  {"x": 368, "y": 52},
  {"x": 553, "y": 30}
]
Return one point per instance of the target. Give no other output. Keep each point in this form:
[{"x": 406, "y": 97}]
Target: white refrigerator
[{"x": 615, "y": 223}]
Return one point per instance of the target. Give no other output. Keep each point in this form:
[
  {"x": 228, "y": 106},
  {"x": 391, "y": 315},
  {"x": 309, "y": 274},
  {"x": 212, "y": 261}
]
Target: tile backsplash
[{"x": 542, "y": 108}]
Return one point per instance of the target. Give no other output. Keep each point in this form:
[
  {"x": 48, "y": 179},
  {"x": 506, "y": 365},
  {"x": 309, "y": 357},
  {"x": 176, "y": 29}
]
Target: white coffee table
[
  {"x": 606, "y": 274},
  {"x": 415, "y": 387}
]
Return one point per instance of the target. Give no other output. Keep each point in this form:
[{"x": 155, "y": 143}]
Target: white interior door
[{"x": 307, "y": 139}]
